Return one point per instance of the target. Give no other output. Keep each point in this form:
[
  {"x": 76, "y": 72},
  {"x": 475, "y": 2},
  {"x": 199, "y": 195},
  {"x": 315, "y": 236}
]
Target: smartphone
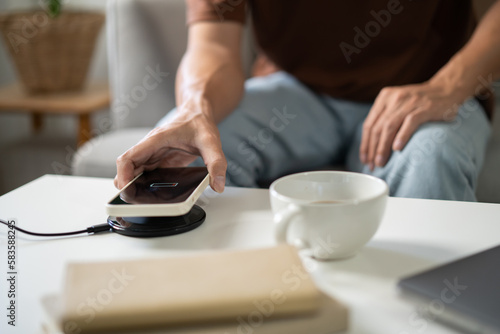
[{"x": 160, "y": 192}]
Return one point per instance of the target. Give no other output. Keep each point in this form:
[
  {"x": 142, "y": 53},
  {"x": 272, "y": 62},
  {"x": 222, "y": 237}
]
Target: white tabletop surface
[{"x": 414, "y": 235}]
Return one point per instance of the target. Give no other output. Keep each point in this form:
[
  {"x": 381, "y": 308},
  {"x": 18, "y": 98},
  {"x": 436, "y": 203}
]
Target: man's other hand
[{"x": 398, "y": 112}]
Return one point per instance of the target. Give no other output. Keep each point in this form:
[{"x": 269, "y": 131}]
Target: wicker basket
[{"x": 51, "y": 54}]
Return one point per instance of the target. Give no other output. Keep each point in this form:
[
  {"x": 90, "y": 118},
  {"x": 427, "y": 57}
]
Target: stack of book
[{"x": 242, "y": 292}]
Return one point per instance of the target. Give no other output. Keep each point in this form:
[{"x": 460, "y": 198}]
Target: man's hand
[
  {"x": 192, "y": 133},
  {"x": 398, "y": 112},
  {"x": 209, "y": 86}
]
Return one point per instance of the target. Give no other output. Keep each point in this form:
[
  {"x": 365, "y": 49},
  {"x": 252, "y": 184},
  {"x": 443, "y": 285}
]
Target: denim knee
[{"x": 436, "y": 163}]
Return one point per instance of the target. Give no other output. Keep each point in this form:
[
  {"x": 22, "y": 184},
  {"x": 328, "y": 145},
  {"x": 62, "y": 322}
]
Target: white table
[{"x": 414, "y": 235}]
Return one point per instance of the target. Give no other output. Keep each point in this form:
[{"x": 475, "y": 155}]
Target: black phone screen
[{"x": 162, "y": 185}]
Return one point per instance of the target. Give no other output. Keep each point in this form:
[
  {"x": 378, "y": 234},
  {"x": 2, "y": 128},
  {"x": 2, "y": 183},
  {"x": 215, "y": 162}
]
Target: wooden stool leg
[
  {"x": 84, "y": 129},
  {"x": 36, "y": 121}
]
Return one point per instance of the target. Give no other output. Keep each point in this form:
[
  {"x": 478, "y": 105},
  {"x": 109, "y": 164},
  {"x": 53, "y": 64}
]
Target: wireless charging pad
[{"x": 147, "y": 227}]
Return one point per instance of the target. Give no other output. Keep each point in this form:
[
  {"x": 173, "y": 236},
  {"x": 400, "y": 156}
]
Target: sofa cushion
[{"x": 97, "y": 157}]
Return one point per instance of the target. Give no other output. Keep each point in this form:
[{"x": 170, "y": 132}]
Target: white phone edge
[{"x": 156, "y": 210}]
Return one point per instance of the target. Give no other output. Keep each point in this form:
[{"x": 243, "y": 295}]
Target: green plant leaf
[{"x": 54, "y": 7}]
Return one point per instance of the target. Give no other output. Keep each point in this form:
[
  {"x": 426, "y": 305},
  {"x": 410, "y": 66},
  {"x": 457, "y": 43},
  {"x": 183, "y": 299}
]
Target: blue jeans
[{"x": 281, "y": 127}]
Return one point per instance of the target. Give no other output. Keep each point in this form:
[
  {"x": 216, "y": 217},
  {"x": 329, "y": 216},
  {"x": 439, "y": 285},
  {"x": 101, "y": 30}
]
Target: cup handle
[{"x": 282, "y": 220}]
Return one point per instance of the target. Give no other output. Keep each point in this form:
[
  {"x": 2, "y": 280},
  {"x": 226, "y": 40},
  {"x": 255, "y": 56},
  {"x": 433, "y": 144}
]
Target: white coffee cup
[{"x": 330, "y": 214}]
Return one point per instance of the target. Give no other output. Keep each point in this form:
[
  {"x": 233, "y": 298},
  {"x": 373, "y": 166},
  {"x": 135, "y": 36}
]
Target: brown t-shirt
[{"x": 350, "y": 49}]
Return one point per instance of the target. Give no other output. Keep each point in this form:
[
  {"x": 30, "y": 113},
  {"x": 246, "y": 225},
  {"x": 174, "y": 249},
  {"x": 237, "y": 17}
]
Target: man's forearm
[
  {"x": 479, "y": 58},
  {"x": 211, "y": 69}
]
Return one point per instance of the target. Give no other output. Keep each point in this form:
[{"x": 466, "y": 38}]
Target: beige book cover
[
  {"x": 331, "y": 317},
  {"x": 193, "y": 289}
]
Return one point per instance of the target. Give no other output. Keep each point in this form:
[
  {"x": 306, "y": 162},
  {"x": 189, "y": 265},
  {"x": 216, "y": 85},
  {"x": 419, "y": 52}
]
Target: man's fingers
[
  {"x": 177, "y": 158},
  {"x": 133, "y": 161},
  {"x": 217, "y": 170},
  {"x": 369, "y": 139},
  {"x": 216, "y": 163},
  {"x": 218, "y": 181},
  {"x": 125, "y": 171},
  {"x": 384, "y": 146},
  {"x": 370, "y": 122},
  {"x": 408, "y": 128},
  {"x": 375, "y": 135}
]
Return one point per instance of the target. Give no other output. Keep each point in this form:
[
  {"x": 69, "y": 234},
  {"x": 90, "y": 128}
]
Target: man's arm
[
  {"x": 212, "y": 68},
  {"x": 209, "y": 85},
  {"x": 399, "y": 111}
]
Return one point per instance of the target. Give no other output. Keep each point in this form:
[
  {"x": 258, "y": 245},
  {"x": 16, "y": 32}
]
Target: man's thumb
[{"x": 217, "y": 169}]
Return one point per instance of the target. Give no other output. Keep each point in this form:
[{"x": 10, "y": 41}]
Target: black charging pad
[{"x": 147, "y": 227}]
